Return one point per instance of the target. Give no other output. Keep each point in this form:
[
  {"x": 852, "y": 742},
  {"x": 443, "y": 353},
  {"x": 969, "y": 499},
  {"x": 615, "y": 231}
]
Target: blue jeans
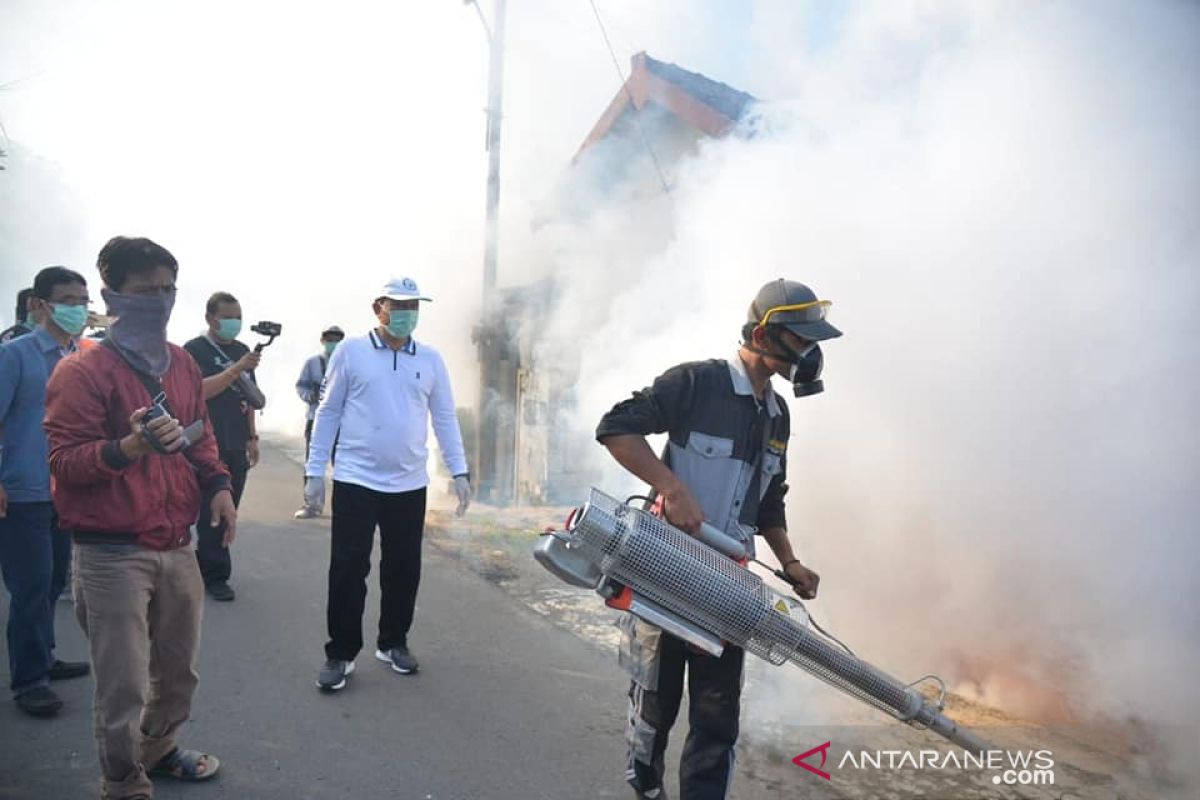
[
  {"x": 60, "y": 541},
  {"x": 27, "y": 563}
]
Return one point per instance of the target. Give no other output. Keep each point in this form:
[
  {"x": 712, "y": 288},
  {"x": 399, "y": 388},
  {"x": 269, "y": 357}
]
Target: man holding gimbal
[{"x": 227, "y": 366}]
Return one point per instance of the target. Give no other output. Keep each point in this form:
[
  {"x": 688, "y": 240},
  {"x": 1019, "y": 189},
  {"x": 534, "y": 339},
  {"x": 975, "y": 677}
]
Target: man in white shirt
[{"x": 380, "y": 392}]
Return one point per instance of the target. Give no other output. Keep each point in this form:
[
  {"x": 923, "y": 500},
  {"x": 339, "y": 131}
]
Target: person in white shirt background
[{"x": 381, "y": 391}]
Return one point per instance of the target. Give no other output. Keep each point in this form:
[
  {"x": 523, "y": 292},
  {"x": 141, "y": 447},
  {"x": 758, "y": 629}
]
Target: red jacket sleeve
[{"x": 81, "y": 437}]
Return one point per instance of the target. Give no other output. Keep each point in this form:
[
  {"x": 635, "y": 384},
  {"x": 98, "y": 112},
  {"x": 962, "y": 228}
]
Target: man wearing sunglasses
[{"x": 725, "y": 463}]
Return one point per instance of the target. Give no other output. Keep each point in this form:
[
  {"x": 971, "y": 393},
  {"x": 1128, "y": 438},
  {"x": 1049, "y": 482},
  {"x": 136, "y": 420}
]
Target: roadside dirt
[{"x": 1104, "y": 760}]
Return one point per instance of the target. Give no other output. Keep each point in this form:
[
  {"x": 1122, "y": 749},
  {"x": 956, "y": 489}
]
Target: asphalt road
[
  {"x": 506, "y": 705},
  {"x": 518, "y": 696}
]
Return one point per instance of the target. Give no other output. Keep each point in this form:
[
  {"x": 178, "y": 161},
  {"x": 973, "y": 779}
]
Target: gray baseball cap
[{"x": 796, "y": 307}]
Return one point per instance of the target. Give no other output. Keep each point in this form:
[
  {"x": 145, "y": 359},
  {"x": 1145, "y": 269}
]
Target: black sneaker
[
  {"x": 400, "y": 660},
  {"x": 220, "y": 590},
  {"x": 40, "y": 701},
  {"x": 333, "y": 675},
  {"x": 62, "y": 670}
]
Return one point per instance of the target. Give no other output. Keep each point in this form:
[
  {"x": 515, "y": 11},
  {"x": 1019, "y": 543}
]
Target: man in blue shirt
[{"x": 34, "y": 554}]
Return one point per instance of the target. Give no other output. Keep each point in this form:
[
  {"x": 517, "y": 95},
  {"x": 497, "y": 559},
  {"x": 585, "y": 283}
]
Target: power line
[
  {"x": 666, "y": 187},
  {"x": 487, "y": 28}
]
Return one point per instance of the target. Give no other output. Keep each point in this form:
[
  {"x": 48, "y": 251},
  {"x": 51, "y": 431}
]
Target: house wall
[{"x": 616, "y": 213}]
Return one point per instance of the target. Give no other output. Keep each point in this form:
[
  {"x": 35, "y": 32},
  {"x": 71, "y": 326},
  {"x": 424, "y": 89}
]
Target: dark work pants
[
  {"x": 215, "y": 562},
  {"x": 714, "y": 707},
  {"x": 400, "y": 517},
  {"x": 60, "y": 543},
  {"x": 34, "y": 556}
]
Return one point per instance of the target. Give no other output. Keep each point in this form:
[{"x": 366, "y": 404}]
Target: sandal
[{"x": 186, "y": 765}]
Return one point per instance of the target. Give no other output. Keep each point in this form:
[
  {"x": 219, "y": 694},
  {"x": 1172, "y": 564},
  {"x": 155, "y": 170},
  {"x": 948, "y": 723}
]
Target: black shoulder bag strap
[
  {"x": 158, "y": 395},
  {"x": 154, "y": 387},
  {"x": 243, "y": 387}
]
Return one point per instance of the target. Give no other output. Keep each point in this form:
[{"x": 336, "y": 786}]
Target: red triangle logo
[{"x": 800, "y": 760}]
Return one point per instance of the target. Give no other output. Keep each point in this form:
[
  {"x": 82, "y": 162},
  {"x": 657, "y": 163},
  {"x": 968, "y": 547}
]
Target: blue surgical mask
[
  {"x": 71, "y": 319},
  {"x": 401, "y": 323},
  {"x": 228, "y": 329},
  {"x": 330, "y": 347}
]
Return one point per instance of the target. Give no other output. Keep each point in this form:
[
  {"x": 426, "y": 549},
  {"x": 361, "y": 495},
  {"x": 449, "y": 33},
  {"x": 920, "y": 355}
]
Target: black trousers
[
  {"x": 215, "y": 562},
  {"x": 714, "y": 707},
  {"x": 400, "y": 518}
]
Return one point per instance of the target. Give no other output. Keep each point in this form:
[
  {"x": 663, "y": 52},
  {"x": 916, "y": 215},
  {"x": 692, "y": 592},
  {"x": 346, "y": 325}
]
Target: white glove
[
  {"x": 314, "y": 493},
  {"x": 462, "y": 488}
]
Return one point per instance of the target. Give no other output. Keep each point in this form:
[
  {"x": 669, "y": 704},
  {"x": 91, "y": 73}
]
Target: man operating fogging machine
[{"x": 725, "y": 464}]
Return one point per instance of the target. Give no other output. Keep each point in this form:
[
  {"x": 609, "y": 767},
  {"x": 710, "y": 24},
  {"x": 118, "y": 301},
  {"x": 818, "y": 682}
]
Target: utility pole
[
  {"x": 492, "y": 422},
  {"x": 494, "y": 116}
]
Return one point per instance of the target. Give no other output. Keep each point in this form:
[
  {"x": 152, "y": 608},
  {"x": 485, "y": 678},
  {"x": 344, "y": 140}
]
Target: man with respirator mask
[
  {"x": 381, "y": 392},
  {"x": 725, "y": 463},
  {"x": 131, "y": 452}
]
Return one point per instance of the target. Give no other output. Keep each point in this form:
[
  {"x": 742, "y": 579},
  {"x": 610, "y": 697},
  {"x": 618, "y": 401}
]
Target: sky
[
  {"x": 290, "y": 143},
  {"x": 1000, "y": 198},
  {"x": 279, "y": 147}
]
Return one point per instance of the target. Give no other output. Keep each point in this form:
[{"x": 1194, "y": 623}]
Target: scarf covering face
[{"x": 140, "y": 329}]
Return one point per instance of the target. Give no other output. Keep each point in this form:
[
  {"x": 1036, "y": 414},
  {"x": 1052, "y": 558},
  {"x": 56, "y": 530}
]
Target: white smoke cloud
[
  {"x": 297, "y": 155},
  {"x": 1002, "y": 203}
]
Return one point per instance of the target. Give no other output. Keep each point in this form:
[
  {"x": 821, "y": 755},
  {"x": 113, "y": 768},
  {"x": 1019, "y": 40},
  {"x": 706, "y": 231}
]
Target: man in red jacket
[{"x": 129, "y": 485}]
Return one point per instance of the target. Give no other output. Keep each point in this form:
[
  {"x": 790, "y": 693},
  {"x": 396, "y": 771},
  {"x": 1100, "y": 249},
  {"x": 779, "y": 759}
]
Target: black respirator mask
[{"x": 805, "y": 373}]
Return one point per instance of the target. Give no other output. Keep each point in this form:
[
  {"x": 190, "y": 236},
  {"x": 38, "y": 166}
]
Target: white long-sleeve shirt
[{"x": 378, "y": 403}]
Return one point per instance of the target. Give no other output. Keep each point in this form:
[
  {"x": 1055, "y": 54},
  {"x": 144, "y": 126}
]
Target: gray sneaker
[
  {"x": 400, "y": 660},
  {"x": 307, "y": 513},
  {"x": 333, "y": 675}
]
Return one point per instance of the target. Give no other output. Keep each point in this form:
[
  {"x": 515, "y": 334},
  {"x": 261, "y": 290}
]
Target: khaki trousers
[{"x": 140, "y": 610}]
